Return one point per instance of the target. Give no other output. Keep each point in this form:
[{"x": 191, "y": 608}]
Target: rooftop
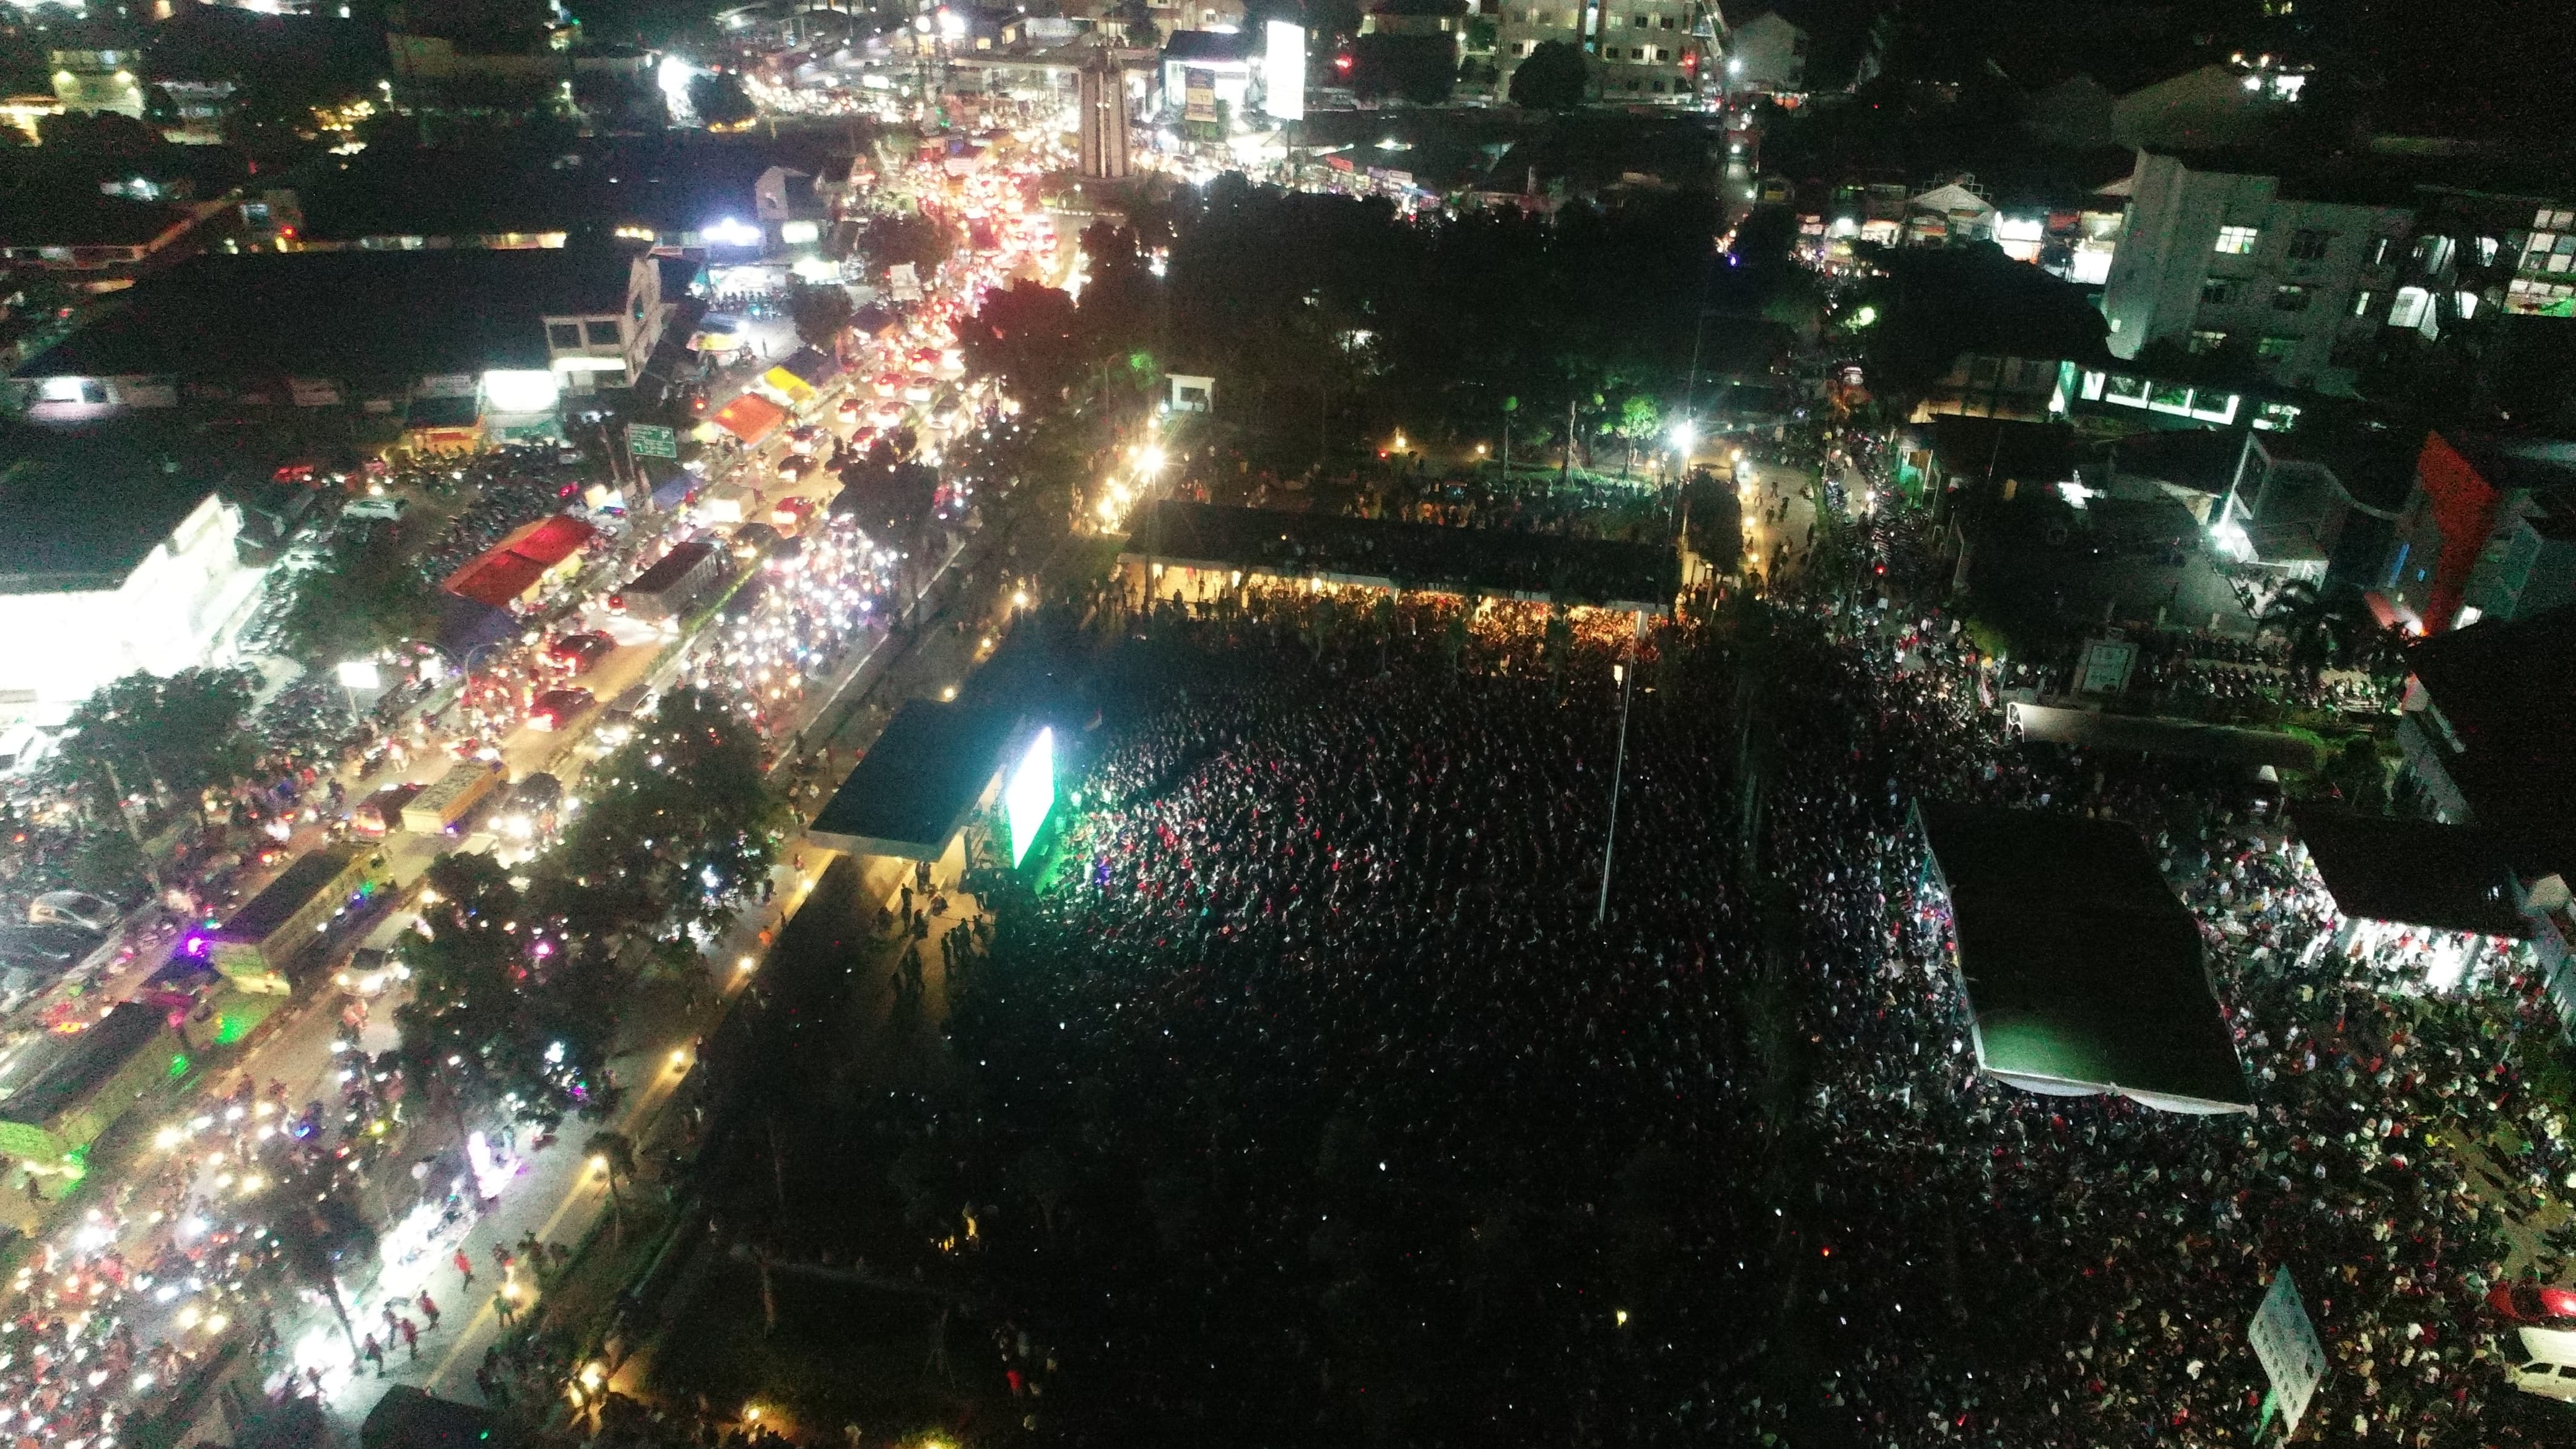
[
  {"x": 2506, "y": 689},
  {"x": 2083, "y": 971},
  {"x": 84, "y": 507},
  {"x": 342, "y": 314},
  {"x": 2412, "y": 872},
  {"x": 83, "y": 216},
  {"x": 93, "y": 1057},
  {"x": 673, "y": 183},
  {"x": 504, "y": 571},
  {"x": 275, "y": 905},
  {"x": 1408, "y": 555},
  {"x": 913, "y": 788}
]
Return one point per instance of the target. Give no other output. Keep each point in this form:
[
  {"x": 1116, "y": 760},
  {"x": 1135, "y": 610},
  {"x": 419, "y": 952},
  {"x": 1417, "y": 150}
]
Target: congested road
[{"x": 807, "y": 631}]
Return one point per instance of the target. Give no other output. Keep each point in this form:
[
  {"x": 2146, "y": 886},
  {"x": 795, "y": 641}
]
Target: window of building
[
  {"x": 2486, "y": 249},
  {"x": 2204, "y": 342},
  {"x": 1656, "y": 86},
  {"x": 2217, "y": 292},
  {"x": 2237, "y": 241},
  {"x": 2290, "y": 299},
  {"x": 2272, "y": 348},
  {"x": 602, "y": 334},
  {"x": 1642, "y": 22},
  {"x": 2361, "y": 303},
  {"x": 2380, "y": 247},
  {"x": 2409, "y": 308},
  {"x": 563, "y": 335},
  {"x": 2307, "y": 245},
  {"x": 1668, "y": 22},
  {"x": 2553, "y": 218}
]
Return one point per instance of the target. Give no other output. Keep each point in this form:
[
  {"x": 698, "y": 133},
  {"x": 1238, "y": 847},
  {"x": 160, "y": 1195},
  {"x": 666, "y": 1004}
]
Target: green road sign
[{"x": 647, "y": 440}]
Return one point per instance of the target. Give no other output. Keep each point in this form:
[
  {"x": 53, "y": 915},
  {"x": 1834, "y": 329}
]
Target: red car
[
  {"x": 579, "y": 653},
  {"x": 555, "y": 708},
  {"x": 2527, "y": 1302}
]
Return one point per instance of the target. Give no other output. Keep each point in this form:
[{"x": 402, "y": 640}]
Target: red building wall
[{"x": 2464, "y": 507}]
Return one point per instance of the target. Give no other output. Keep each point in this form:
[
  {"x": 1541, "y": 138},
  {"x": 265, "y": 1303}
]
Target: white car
[{"x": 72, "y": 908}]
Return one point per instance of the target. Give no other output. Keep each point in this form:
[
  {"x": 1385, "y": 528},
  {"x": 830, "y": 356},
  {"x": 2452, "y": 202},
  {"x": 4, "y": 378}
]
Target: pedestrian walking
[
  {"x": 465, "y": 1266},
  {"x": 429, "y": 1309},
  {"x": 374, "y": 1353},
  {"x": 410, "y": 1337}
]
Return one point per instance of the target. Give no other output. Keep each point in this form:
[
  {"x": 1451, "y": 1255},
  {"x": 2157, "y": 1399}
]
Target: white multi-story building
[
  {"x": 106, "y": 572},
  {"x": 1636, "y": 50},
  {"x": 2212, "y": 260}
]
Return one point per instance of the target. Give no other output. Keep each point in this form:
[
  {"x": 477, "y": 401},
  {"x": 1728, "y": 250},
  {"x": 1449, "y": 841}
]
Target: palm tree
[
  {"x": 615, "y": 1155},
  {"x": 2299, "y": 609}
]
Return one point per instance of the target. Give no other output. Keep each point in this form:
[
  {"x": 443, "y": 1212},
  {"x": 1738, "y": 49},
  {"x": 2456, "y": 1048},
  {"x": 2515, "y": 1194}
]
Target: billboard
[
  {"x": 1198, "y": 92},
  {"x": 1029, "y": 794},
  {"x": 1283, "y": 70}
]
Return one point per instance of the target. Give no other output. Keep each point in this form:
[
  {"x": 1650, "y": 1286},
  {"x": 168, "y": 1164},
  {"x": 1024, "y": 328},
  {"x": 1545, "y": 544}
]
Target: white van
[{"x": 2548, "y": 1366}]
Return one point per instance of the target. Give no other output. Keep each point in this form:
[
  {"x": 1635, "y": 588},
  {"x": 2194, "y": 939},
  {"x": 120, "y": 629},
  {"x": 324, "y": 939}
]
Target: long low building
[
  {"x": 917, "y": 792},
  {"x": 1195, "y": 550},
  {"x": 2085, "y": 975},
  {"x": 369, "y": 330}
]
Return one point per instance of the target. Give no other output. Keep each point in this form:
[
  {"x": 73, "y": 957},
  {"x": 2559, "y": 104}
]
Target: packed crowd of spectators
[{"x": 1382, "y": 1128}]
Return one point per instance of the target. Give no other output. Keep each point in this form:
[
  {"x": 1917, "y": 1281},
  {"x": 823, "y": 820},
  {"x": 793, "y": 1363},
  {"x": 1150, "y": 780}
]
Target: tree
[
  {"x": 1551, "y": 79},
  {"x": 1024, "y": 334},
  {"x": 615, "y": 1154},
  {"x": 365, "y": 598},
  {"x": 719, "y": 99},
  {"x": 1640, "y": 419},
  {"x": 1045, "y": 1176},
  {"x": 679, "y": 831},
  {"x": 1420, "y": 68},
  {"x": 176, "y": 737},
  {"x": 911, "y": 237},
  {"x": 821, "y": 313},
  {"x": 505, "y": 1015}
]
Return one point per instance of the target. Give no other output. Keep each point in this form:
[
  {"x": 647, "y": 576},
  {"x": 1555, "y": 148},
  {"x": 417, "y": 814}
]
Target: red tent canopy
[{"x": 750, "y": 418}]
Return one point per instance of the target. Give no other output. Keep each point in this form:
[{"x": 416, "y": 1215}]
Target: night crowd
[{"x": 1376, "y": 1131}]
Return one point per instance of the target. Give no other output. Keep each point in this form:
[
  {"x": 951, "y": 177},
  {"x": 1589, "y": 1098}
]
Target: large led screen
[
  {"x": 1029, "y": 794},
  {"x": 1283, "y": 70}
]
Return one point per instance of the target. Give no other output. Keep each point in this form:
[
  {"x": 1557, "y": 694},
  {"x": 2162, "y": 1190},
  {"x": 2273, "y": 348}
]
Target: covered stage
[{"x": 2084, "y": 974}]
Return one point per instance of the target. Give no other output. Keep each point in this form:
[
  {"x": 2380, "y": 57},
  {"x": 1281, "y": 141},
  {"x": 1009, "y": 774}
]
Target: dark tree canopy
[
  {"x": 176, "y": 735},
  {"x": 720, "y": 100},
  {"x": 365, "y": 597},
  {"x": 1025, "y": 334},
  {"x": 1419, "y": 68},
  {"x": 821, "y": 313},
  {"x": 1551, "y": 79}
]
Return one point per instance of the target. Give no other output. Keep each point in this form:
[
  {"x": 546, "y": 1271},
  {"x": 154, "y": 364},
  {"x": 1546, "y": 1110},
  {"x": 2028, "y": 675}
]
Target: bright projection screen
[
  {"x": 1030, "y": 794},
  {"x": 1283, "y": 70}
]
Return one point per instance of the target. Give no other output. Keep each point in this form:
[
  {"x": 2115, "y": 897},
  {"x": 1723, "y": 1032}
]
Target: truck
[
  {"x": 256, "y": 945},
  {"x": 60, "y": 1093},
  {"x": 379, "y": 814},
  {"x": 439, "y": 809},
  {"x": 675, "y": 584}
]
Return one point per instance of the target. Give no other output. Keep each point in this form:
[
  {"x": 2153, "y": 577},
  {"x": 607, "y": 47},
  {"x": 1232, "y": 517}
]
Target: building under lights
[
  {"x": 109, "y": 563},
  {"x": 509, "y": 331}
]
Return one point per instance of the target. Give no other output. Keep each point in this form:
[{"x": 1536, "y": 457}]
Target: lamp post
[{"x": 1618, "y": 772}]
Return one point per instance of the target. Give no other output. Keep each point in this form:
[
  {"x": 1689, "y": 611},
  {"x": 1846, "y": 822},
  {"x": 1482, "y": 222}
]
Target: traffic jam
[{"x": 757, "y": 588}]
